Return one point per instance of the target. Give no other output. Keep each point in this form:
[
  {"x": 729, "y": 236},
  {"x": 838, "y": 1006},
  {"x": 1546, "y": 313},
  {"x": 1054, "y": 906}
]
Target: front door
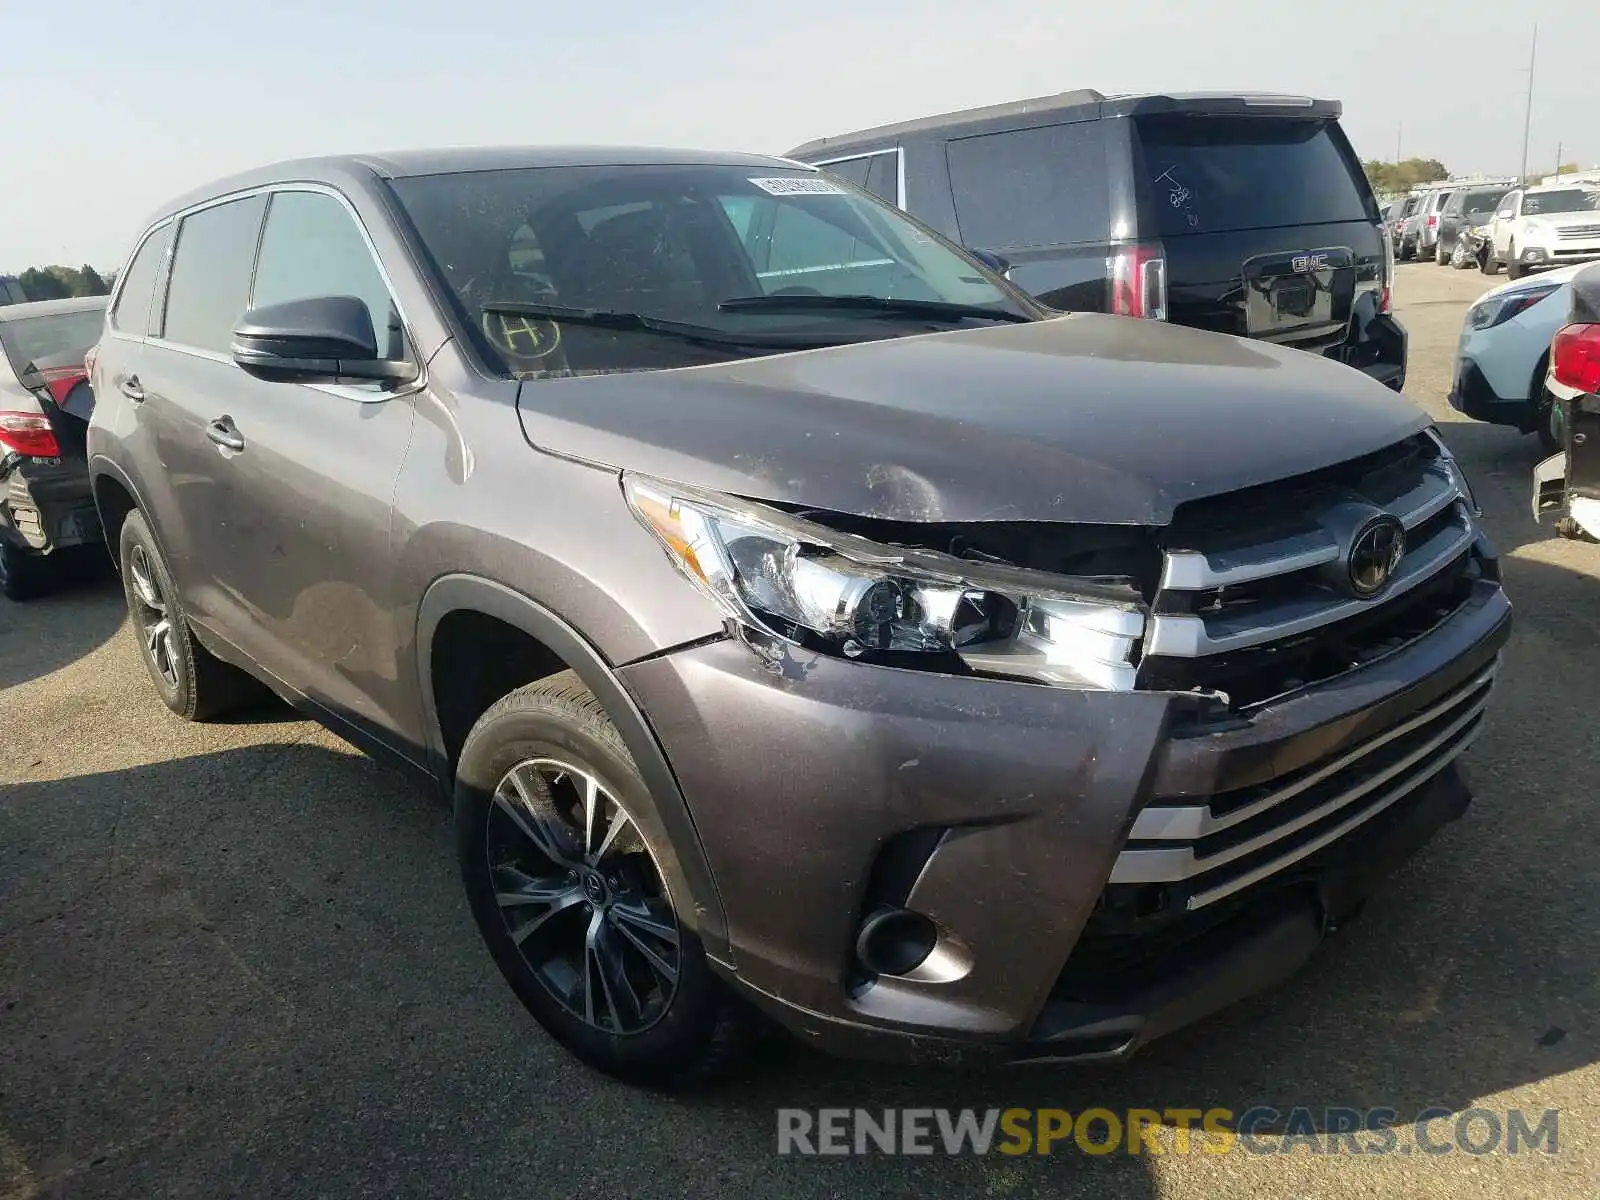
[{"x": 310, "y": 475}]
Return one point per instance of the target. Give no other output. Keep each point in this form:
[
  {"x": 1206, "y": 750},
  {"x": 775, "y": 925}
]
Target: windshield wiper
[
  {"x": 639, "y": 323},
  {"x": 940, "y": 309}
]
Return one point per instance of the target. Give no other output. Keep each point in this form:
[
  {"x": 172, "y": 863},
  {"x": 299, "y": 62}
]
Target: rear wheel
[
  {"x": 23, "y": 575},
  {"x": 190, "y": 681},
  {"x": 554, "y": 833}
]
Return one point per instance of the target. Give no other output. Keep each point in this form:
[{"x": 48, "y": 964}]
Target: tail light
[
  {"x": 28, "y": 434},
  {"x": 1433, "y": 222},
  {"x": 1139, "y": 282},
  {"x": 1386, "y": 295},
  {"x": 1575, "y": 357},
  {"x": 59, "y": 381}
]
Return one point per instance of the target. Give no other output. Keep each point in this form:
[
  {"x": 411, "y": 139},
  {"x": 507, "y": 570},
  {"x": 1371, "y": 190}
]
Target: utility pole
[
  {"x": 1559, "y": 148},
  {"x": 1398, "y": 132},
  {"x": 1527, "y": 119}
]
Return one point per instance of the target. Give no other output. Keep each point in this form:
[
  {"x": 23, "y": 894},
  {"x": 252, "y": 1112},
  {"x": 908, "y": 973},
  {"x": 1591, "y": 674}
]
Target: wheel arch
[
  {"x": 457, "y": 597},
  {"x": 115, "y": 496}
]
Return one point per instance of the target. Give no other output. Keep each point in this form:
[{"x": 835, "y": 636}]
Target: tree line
[{"x": 58, "y": 283}]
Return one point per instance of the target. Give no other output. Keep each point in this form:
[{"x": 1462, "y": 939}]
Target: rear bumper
[
  {"x": 1378, "y": 350},
  {"x": 48, "y": 505},
  {"x": 824, "y": 790}
]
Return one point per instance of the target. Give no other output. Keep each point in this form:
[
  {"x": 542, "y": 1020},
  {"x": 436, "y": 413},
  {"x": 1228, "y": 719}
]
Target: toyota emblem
[{"x": 1375, "y": 554}]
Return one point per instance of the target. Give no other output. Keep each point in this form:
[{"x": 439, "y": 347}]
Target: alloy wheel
[
  {"x": 582, "y": 896},
  {"x": 153, "y": 619}
]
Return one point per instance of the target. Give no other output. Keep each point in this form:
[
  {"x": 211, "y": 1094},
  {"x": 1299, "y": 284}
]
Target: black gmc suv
[{"x": 1244, "y": 214}]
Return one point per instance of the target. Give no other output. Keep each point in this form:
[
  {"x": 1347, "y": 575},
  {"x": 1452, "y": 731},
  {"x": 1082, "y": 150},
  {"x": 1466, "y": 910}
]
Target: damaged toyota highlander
[{"x": 804, "y": 621}]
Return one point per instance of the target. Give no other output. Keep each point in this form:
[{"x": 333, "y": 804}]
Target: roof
[
  {"x": 1585, "y": 185},
  {"x": 1083, "y": 104},
  {"x": 45, "y": 308},
  {"x": 400, "y": 164}
]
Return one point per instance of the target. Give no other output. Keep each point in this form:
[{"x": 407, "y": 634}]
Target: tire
[
  {"x": 190, "y": 681},
  {"x": 23, "y": 575},
  {"x": 1487, "y": 263},
  {"x": 595, "y": 907},
  {"x": 1440, "y": 258},
  {"x": 1460, "y": 260},
  {"x": 1551, "y": 427},
  {"x": 1514, "y": 268}
]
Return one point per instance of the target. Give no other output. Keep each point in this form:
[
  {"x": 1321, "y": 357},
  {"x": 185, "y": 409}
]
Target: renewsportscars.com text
[{"x": 1259, "y": 1130}]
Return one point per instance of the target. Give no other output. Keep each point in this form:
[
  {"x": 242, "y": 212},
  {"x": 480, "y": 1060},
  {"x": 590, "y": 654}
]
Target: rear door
[{"x": 1268, "y": 224}]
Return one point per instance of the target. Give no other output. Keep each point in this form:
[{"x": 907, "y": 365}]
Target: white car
[
  {"x": 1504, "y": 355},
  {"x": 1547, "y": 226},
  {"x": 1569, "y": 482}
]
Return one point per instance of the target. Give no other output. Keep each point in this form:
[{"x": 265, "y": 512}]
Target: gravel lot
[{"x": 234, "y": 959}]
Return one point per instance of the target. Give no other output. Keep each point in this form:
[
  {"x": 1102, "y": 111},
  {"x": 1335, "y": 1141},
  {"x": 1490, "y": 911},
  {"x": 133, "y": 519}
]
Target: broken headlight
[{"x": 848, "y": 595}]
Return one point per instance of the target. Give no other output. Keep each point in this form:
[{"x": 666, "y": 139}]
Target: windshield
[
  {"x": 60, "y": 338},
  {"x": 1483, "y": 202},
  {"x": 1565, "y": 201},
  {"x": 679, "y": 244}
]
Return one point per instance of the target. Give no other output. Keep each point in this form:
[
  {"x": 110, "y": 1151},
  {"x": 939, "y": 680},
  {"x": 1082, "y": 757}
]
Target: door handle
[
  {"x": 131, "y": 389},
  {"x": 225, "y": 433}
]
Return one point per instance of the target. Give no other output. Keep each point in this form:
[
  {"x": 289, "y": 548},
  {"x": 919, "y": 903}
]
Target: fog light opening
[{"x": 895, "y": 941}]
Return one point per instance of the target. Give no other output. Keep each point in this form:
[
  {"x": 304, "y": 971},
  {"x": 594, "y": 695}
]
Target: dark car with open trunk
[{"x": 802, "y": 618}]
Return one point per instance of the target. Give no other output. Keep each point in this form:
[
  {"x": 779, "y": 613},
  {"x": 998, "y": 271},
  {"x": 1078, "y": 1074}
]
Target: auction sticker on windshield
[{"x": 799, "y": 185}]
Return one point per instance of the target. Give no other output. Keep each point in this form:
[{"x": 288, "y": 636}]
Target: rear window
[
  {"x": 1211, "y": 175},
  {"x": 1031, "y": 187},
  {"x": 1483, "y": 202},
  {"x": 60, "y": 338}
]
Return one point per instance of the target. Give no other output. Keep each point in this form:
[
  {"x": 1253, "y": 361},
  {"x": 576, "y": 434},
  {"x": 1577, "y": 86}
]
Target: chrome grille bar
[
  {"x": 1178, "y": 864},
  {"x": 1193, "y": 821},
  {"x": 1194, "y": 636}
]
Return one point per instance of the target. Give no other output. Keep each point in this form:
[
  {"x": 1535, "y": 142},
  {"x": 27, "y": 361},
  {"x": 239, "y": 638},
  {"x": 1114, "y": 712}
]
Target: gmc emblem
[{"x": 1304, "y": 264}]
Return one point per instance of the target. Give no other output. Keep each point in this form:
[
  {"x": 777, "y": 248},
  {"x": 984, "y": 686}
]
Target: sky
[{"x": 113, "y": 107}]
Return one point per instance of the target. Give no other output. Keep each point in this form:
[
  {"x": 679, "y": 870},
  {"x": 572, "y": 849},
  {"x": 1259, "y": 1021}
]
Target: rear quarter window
[
  {"x": 132, "y": 312},
  {"x": 1031, "y": 187},
  {"x": 1211, "y": 175}
]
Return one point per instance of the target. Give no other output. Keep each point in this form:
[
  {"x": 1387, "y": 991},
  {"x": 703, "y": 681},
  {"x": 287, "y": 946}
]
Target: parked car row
[
  {"x": 943, "y": 675},
  {"x": 1498, "y": 225}
]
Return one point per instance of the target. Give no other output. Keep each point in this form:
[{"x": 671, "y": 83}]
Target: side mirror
[
  {"x": 998, "y": 263},
  {"x": 323, "y": 339}
]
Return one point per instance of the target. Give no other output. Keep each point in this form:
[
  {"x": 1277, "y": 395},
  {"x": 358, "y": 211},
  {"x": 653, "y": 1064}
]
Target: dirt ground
[{"x": 234, "y": 960}]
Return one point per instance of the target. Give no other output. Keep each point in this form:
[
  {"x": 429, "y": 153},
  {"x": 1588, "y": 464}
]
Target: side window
[
  {"x": 1031, "y": 187},
  {"x": 1508, "y": 206},
  {"x": 313, "y": 247},
  {"x": 210, "y": 287},
  {"x": 883, "y": 177},
  {"x": 132, "y": 313},
  {"x": 851, "y": 170},
  {"x": 794, "y": 249}
]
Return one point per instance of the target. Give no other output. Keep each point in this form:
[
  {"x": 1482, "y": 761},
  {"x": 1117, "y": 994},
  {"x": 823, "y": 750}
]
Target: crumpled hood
[{"x": 1083, "y": 418}]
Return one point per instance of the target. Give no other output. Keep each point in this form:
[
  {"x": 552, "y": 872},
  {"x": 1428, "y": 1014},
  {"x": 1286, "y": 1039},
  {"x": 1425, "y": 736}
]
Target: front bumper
[
  {"x": 824, "y": 790},
  {"x": 48, "y": 504}
]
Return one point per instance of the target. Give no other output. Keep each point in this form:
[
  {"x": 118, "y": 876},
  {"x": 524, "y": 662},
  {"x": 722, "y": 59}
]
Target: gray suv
[{"x": 803, "y": 621}]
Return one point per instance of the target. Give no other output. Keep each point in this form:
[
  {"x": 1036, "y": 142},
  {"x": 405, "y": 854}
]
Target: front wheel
[
  {"x": 1514, "y": 268},
  {"x": 1487, "y": 262},
  {"x": 554, "y": 833},
  {"x": 1440, "y": 258}
]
